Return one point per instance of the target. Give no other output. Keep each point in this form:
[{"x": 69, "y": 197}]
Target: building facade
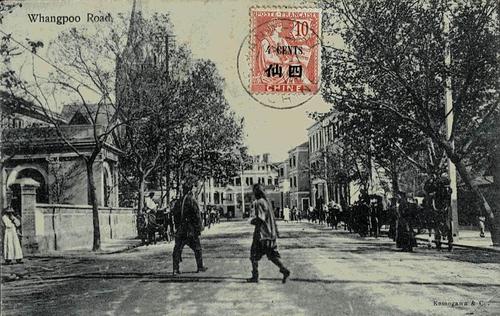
[
  {"x": 327, "y": 163},
  {"x": 298, "y": 176},
  {"x": 284, "y": 183},
  {"x": 323, "y": 151},
  {"x": 228, "y": 196}
]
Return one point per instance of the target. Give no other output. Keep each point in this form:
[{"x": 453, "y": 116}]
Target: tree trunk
[
  {"x": 178, "y": 187},
  {"x": 395, "y": 182},
  {"x": 492, "y": 217},
  {"x": 204, "y": 196},
  {"x": 167, "y": 185},
  {"x": 142, "y": 187},
  {"x": 96, "y": 244}
]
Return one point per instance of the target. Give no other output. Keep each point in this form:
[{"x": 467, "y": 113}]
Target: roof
[
  {"x": 79, "y": 114},
  {"x": 10, "y": 102},
  {"x": 304, "y": 145},
  {"x": 324, "y": 117}
]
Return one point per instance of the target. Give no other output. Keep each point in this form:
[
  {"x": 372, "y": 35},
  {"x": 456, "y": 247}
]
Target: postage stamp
[{"x": 285, "y": 50}]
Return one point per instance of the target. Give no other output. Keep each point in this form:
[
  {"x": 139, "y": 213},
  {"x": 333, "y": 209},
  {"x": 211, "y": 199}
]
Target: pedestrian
[
  {"x": 286, "y": 213},
  {"x": 213, "y": 215},
  {"x": 264, "y": 236},
  {"x": 309, "y": 214},
  {"x": 149, "y": 203},
  {"x": 324, "y": 212},
  {"x": 188, "y": 225},
  {"x": 11, "y": 245},
  {"x": 482, "y": 219}
]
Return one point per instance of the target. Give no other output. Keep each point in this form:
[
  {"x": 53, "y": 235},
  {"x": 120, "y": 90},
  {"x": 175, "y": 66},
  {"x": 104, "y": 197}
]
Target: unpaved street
[{"x": 333, "y": 273}]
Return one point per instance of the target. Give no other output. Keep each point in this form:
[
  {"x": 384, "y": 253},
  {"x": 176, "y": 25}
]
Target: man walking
[
  {"x": 188, "y": 225},
  {"x": 264, "y": 236}
]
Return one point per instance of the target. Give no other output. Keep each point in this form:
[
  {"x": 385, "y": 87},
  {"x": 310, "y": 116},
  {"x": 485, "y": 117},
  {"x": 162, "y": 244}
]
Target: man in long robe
[{"x": 264, "y": 236}]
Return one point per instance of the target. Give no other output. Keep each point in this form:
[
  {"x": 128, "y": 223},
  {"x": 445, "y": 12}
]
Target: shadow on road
[{"x": 188, "y": 277}]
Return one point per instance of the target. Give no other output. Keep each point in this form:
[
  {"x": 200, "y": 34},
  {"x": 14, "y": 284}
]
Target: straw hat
[{"x": 8, "y": 209}]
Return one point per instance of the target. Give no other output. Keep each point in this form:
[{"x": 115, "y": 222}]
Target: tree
[
  {"x": 210, "y": 133},
  {"x": 184, "y": 125},
  {"x": 393, "y": 62},
  {"x": 84, "y": 62}
]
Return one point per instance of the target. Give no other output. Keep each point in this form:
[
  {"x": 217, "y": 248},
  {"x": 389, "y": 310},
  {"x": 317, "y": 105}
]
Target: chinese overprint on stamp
[{"x": 285, "y": 50}]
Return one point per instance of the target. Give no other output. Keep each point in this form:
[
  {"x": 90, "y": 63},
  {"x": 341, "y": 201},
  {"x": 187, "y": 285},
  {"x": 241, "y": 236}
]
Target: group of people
[
  {"x": 153, "y": 220},
  {"x": 189, "y": 225},
  {"x": 331, "y": 214},
  {"x": 365, "y": 217}
]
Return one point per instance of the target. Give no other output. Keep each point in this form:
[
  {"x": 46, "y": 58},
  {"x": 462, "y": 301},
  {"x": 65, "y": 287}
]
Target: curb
[
  {"x": 83, "y": 252},
  {"x": 464, "y": 246}
]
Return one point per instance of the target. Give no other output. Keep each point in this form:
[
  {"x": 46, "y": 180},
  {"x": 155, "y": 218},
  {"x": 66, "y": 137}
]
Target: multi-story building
[
  {"x": 284, "y": 183},
  {"x": 326, "y": 160},
  {"x": 321, "y": 148},
  {"x": 228, "y": 196},
  {"x": 298, "y": 176}
]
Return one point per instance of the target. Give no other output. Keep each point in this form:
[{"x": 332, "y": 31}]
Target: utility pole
[
  {"x": 167, "y": 81},
  {"x": 242, "y": 189},
  {"x": 325, "y": 151},
  {"x": 452, "y": 172}
]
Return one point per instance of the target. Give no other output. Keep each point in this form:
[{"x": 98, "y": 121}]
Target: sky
[{"x": 212, "y": 29}]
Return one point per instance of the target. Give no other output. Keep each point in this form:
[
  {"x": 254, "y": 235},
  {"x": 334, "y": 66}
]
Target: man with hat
[
  {"x": 188, "y": 226},
  {"x": 11, "y": 245},
  {"x": 149, "y": 203}
]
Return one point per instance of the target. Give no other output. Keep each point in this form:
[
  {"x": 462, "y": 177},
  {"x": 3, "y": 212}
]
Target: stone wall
[{"x": 65, "y": 227}]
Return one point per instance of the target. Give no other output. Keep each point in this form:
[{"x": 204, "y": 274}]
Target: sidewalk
[
  {"x": 468, "y": 239},
  {"x": 55, "y": 262},
  {"x": 107, "y": 247}
]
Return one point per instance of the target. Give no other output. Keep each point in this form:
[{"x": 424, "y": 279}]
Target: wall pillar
[{"x": 31, "y": 221}]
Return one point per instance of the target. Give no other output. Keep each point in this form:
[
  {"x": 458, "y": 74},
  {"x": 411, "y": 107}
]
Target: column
[{"x": 31, "y": 221}]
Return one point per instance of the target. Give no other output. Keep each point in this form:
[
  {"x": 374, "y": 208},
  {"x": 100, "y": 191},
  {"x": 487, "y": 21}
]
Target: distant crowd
[{"x": 401, "y": 217}]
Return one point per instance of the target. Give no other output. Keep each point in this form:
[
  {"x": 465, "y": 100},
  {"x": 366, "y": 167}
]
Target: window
[
  {"x": 251, "y": 181},
  {"x": 270, "y": 181},
  {"x": 18, "y": 123},
  {"x": 294, "y": 161},
  {"x": 229, "y": 197},
  {"x": 295, "y": 181},
  {"x": 275, "y": 181},
  {"x": 238, "y": 181}
]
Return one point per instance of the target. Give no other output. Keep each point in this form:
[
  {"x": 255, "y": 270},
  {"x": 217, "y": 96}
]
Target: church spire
[{"x": 135, "y": 17}]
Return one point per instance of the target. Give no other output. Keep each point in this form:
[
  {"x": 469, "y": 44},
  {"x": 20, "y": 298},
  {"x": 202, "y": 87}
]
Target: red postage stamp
[{"x": 285, "y": 50}]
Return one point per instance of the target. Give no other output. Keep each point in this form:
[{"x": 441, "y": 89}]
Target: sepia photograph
[{"x": 250, "y": 157}]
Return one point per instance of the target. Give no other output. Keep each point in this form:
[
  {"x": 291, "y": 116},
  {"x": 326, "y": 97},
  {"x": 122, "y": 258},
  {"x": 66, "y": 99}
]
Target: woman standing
[
  {"x": 286, "y": 214},
  {"x": 11, "y": 246},
  {"x": 264, "y": 236}
]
